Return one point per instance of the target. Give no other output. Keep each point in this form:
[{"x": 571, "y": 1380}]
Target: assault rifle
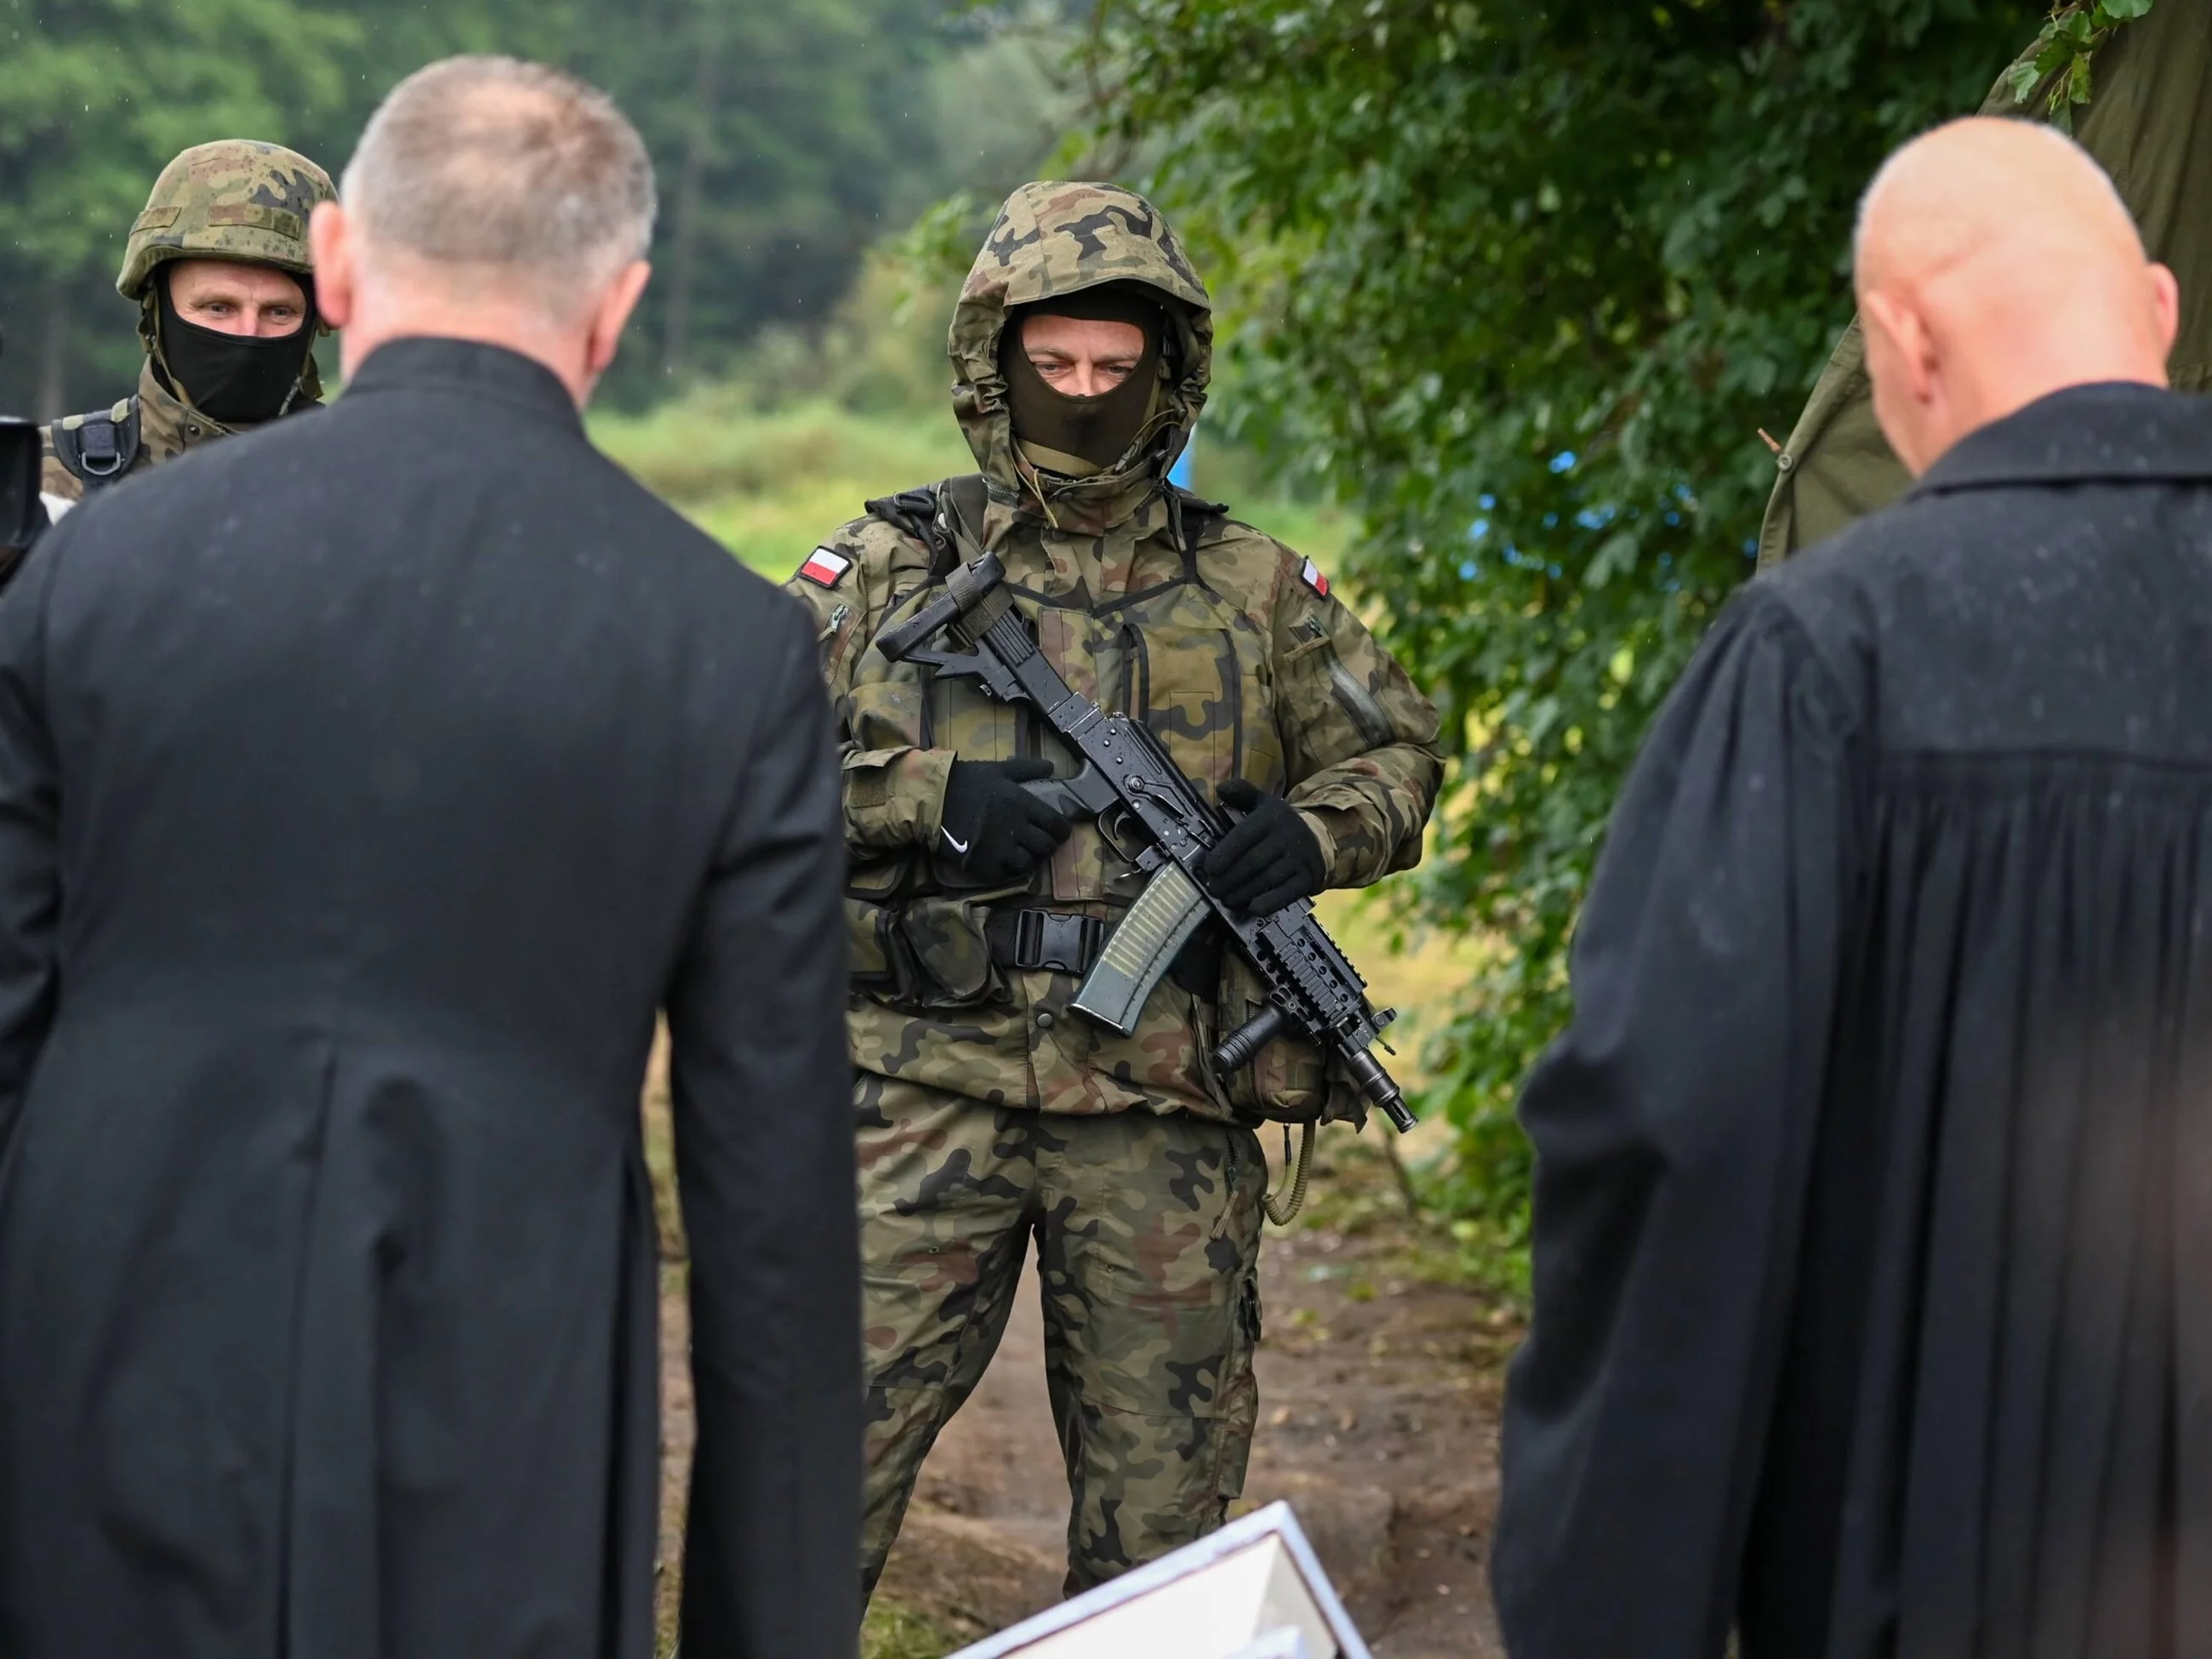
[
  {"x": 22, "y": 513},
  {"x": 1129, "y": 784}
]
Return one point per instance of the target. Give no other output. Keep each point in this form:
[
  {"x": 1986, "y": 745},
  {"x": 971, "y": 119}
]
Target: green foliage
[
  {"x": 1520, "y": 282},
  {"x": 776, "y": 151},
  {"x": 95, "y": 95},
  {"x": 806, "y": 427},
  {"x": 896, "y": 1632},
  {"x": 2062, "y": 52},
  {"x": 75, "y": 118},
  {"x": 788, "y": 136}
]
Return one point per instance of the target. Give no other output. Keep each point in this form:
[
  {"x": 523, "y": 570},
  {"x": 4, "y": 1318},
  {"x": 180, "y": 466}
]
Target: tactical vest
[
  {"x": 98, "y": 448},
  {"x": 1177, "y": 655}
]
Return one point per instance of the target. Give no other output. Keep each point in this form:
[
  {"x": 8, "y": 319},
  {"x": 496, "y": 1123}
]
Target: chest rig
[{"x": 1167, "y": 648}]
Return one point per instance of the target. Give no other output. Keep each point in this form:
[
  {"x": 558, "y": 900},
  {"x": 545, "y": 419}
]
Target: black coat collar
[
  {"x": 426, "y": 363},
  {"x": 2118, "y": 431}
]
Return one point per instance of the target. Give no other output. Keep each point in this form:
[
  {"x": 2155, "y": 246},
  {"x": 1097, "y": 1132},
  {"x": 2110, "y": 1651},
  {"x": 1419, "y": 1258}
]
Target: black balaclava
[
  {"x": 1053, "y": 429},
  {"x": 237, "y": 380}
]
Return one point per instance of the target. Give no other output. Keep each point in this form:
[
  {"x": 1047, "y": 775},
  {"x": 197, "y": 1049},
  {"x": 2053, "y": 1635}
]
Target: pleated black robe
[
  {"x": 366, "y": 784},
  {"x": 1874, "y": 1203}
]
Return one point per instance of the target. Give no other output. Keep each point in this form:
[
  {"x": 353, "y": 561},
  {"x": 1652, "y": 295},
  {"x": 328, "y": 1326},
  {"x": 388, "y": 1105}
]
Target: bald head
[{"x": 1996, "y": 263}]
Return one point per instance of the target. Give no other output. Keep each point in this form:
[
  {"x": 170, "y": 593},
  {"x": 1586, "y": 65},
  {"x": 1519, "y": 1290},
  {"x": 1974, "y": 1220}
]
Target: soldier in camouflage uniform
[
  {"x": 988, "y": 1108},
  {"x": 225, "y": 215}
]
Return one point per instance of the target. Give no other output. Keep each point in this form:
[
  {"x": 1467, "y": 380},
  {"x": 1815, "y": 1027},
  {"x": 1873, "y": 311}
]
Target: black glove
[
  {"x": 993, "y": 828},
  {"x": 1269, "y": 860}
]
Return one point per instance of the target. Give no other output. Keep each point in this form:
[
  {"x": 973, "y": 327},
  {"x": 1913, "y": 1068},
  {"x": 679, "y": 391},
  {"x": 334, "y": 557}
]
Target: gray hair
[{"x": 485, "y": 160}]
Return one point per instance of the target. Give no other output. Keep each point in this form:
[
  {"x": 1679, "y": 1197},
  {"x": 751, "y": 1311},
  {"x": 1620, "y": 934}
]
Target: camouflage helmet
[
  {"x": 233, "y": 199},
  {"x": 1052, "y": 238}
]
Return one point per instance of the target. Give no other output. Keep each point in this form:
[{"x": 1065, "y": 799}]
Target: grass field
[{"x": 770, "y": 487}]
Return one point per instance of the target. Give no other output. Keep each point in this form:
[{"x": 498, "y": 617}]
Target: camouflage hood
[{"x": 1053, "y": 239}]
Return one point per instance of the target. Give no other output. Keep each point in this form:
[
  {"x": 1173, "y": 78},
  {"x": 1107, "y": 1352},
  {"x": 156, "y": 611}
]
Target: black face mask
[
  {"x": 238, "y": 379},
  {"x": 1097, "y": 430}
]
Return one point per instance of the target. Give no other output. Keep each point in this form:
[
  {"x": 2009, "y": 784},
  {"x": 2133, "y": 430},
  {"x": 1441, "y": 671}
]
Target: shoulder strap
[
  {"x": 1193, "y": 516},
  {"x": 934, "y": 515},
  {"x": 911, "y": 510},
  {"x": 98, "y": 448}
]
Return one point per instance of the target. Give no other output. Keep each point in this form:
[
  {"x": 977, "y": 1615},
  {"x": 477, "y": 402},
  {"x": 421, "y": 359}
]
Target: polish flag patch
[
  {"x": 826, "y": 568},
  {"x": 1314, "y": 579}
]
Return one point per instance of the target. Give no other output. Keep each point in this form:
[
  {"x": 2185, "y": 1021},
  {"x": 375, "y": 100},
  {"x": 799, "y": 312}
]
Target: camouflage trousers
[{"x": 1147, "y": 1231}]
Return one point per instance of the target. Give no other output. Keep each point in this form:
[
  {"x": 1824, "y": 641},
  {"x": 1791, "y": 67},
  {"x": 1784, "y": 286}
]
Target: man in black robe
[
  {"x": 1873, "y": 1202},
  {"x": 366, "y": 786}
]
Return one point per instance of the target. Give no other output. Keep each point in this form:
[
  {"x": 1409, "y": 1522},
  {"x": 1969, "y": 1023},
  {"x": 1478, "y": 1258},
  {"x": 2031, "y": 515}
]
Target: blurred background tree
[{"x": 790, "y": 136}]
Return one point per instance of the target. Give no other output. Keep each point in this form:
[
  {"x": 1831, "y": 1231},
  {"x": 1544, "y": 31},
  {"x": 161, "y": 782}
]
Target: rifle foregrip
[{"x": 1238, "y": 1048}]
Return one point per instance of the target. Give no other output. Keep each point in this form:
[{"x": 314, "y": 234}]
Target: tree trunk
[
  {"x": 51, "y": 397},
  {"x": 684, "y": 240}
]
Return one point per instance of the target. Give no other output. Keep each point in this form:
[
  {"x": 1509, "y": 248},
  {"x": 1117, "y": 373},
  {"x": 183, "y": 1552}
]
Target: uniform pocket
[
  {"x": 1316, "y": 656},
  {"x": 1191, "y": 687},
  {"x": 872, "y": 945},
  {"x": 945, "y": 938}
]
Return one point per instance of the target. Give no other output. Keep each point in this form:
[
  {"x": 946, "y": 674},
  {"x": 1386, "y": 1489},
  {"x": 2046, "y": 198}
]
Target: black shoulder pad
[
  {"x": 1192, "y": 502},
  {"x": 922, "y": 514},
  {"x": 98, "y": 448},
  {"x": 1193, "y": 516},
  {"x": 914, "y": 511}
]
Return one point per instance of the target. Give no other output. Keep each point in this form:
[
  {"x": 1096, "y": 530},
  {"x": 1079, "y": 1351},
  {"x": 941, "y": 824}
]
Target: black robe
[
  {"x": 366, "y": 785},
  {"x": 1874, "y": 1203}
]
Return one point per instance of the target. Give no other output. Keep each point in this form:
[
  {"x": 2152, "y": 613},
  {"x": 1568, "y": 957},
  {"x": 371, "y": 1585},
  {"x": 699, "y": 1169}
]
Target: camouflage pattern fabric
[
  {"x": 233, "y": 199},
  {"x": 1060, "y": 238},
  {"x": 166, "y": 429},
  {"x": 1148, "y": 1234},
  {"x": 989, "y": 1110},
  {"x": 1236, "y": 655}
]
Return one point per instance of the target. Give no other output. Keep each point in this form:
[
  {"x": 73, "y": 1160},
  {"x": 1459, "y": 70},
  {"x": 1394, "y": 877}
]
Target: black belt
[{"x": 1034, "y": 939}]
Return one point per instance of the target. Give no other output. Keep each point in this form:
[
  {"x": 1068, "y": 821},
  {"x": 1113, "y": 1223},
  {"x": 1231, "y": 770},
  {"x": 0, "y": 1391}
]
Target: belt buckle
[{"x": 1048, "y": 940}]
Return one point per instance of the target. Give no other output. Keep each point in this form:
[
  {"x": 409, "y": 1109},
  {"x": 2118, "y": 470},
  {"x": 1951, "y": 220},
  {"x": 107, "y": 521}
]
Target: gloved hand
[
  {"x": 1269, "y": 859},
  {"x": 994, "y": 829}
]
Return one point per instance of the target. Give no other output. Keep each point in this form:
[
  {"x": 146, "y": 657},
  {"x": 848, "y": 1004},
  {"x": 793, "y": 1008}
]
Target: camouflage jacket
[
  {"x": 1229, "y": 645},
  {"x": 168, "y": 427}
]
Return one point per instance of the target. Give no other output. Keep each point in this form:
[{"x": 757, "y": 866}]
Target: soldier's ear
[{"x": 332, "y": 248}]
